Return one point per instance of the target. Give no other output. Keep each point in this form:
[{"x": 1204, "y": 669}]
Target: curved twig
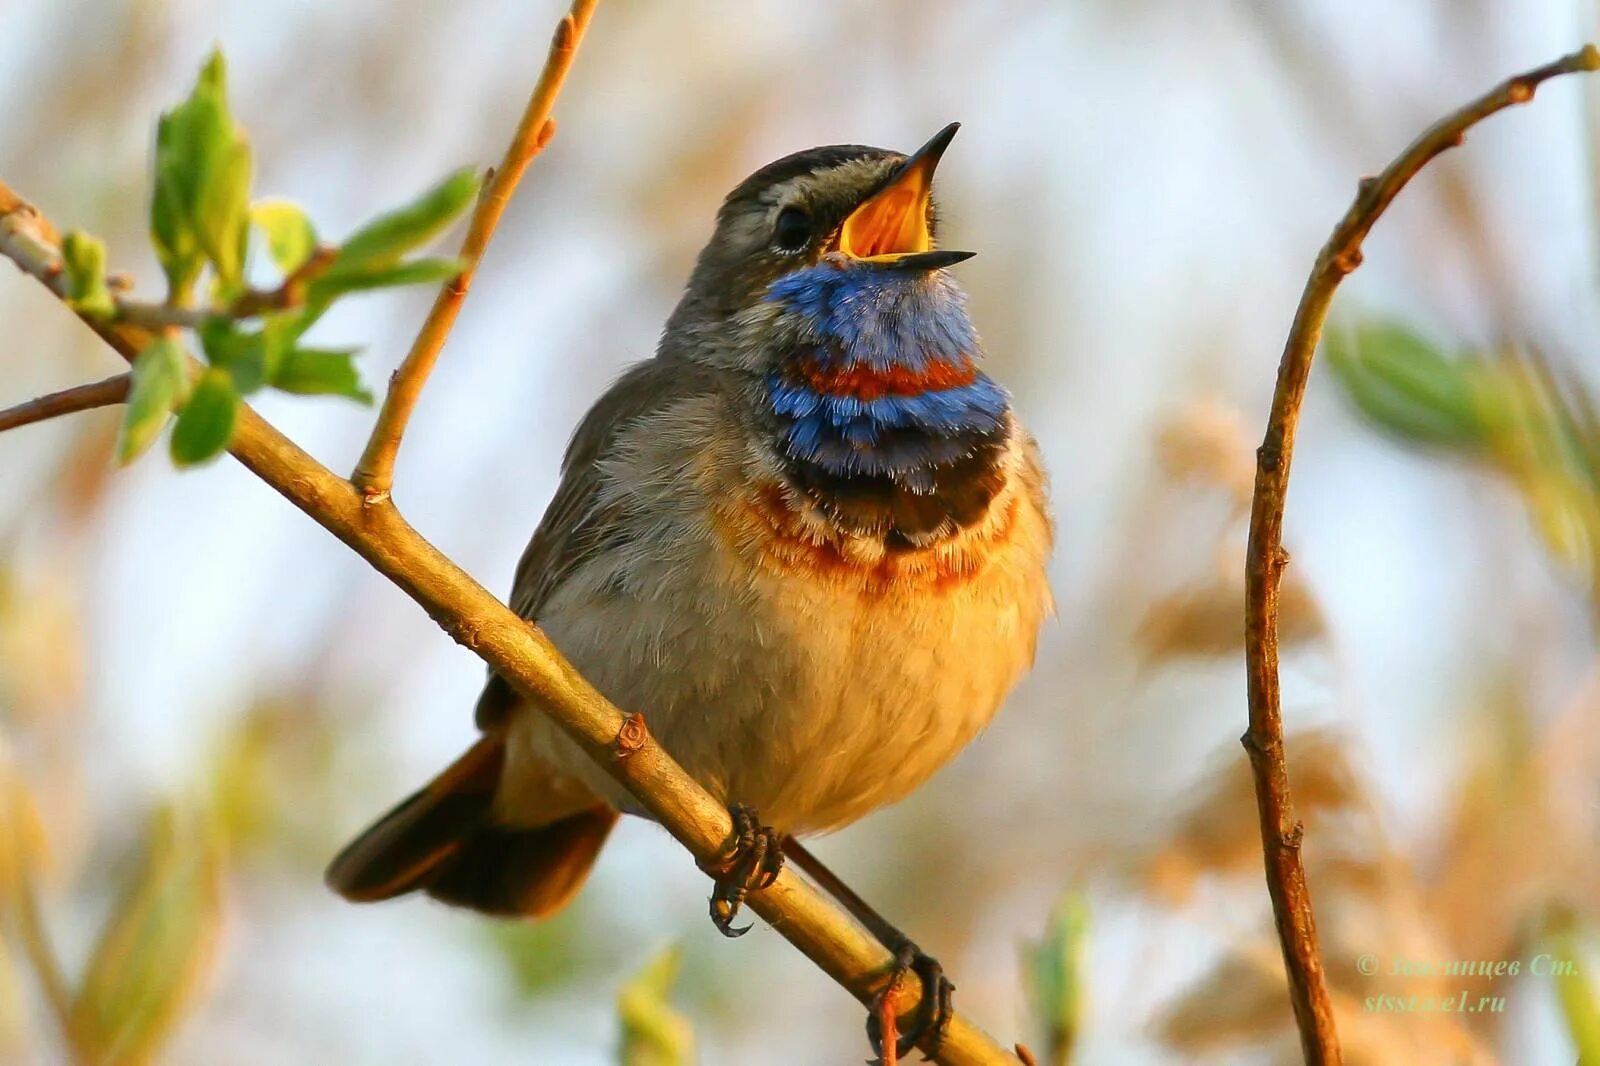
[
  {"x": 374, "y": 474},
  {"x": 78, "y": 398},
  {"x": 1281, "y": 830}
]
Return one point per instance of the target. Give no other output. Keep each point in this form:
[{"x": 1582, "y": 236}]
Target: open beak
[{"x": 890, "y": 227}]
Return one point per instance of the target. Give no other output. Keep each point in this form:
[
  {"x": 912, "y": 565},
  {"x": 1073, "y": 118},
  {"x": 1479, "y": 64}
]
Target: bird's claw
[
  {"x": 933, "y": 1012},
  {"x": 752, "y": 861}
]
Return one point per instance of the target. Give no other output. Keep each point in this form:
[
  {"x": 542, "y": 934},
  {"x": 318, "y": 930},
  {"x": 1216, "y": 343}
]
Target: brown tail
[{"x": 444, "y": 841}]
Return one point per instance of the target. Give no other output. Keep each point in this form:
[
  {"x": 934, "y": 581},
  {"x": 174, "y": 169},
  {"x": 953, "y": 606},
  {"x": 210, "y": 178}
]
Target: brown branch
[
  {"x": 520, "y": 652},
  {"x": 78, "y": 398},
  {"x": 374, "y": 474},
  {"x": 1281, "y": 831}
]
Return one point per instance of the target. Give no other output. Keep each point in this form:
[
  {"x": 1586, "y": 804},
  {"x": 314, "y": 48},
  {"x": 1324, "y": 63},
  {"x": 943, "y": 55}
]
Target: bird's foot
[
  {"x": 933, "y": 1013},
  {"x": 751, "y": 861}
]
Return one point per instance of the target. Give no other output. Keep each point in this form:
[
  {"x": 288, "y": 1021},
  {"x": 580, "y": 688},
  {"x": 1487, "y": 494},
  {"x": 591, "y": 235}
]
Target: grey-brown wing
[{"x": 575, "y": 527}]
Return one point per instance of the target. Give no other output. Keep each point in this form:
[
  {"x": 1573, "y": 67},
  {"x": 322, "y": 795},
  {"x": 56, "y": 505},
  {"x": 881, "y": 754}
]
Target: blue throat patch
[{"x": 884, "y": 383}]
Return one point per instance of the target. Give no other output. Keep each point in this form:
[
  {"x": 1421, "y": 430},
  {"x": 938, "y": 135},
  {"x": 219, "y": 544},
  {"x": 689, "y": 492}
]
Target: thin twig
[
  {"x": 522, "y": 654},
  {"x": 24, "y": 228},
  {"x": 287, "y": 297},
  {"x": 78, "y": 398},
  {"x": 1281, "y": 831},
  {"x": 374, "y": 474}
]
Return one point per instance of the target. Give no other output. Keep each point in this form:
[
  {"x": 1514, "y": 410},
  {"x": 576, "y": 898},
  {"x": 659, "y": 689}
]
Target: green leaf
[
  {"x": 206, "y": 423},
  {"x": 386, "y": 238},
  {"x": 279, "y": 332},
  {"x": 290, "y": 236},
  {"x": 84, "y": 259},
  {"x": 170, "y": 232},
  {"x": 1405, "y": 385},
  {"x": 155, "y": 948},
  {"x": 1054, "y": 970},
  {"x": 320, "y": 372},
  {"x": 222, "y": 217},
  {"x": 243, "y": 355},
  {"x": 416, "y": 272},
  {"x": 653, "y": 1032},
  {"x": 199, "y": 205},
  {"x": 160, "y": 381}
]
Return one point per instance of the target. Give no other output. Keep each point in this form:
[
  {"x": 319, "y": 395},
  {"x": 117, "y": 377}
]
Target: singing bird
[{"x": 808, "y": 539}]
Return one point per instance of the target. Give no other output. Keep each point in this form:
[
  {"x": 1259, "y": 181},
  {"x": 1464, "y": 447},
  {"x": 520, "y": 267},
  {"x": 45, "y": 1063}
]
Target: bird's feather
[{"x": 578, "y": 524}]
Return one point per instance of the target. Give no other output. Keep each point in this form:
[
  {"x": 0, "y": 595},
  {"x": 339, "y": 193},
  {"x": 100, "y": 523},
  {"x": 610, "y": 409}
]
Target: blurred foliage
[
  {"x": 1203, "y": 620},
  {"x": 156, "y": 946},
  {"x": 1203, "y": 450},
  {"x": 24, "y": 847},
  {"x": 1509, "y": 849},
  {"x": 653, "y": 1032},
  {"x": 543, "y": 956},
  {"x": 1407, "y": 386},
  {"x": 1056, "y": 976},
  {"x": 1576, "y": 990},
  {"x": 274, "y": 773},
  {"x": 23, "y": 855},
  {"x": 1506, "y": 410}
]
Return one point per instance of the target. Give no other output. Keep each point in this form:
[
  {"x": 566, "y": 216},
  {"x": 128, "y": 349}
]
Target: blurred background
[{"x": 202, "y": 694}]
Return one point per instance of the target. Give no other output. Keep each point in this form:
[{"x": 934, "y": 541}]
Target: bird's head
[
  {"x": 835, "y": 218},
  {"x": 823, "y": 291}
]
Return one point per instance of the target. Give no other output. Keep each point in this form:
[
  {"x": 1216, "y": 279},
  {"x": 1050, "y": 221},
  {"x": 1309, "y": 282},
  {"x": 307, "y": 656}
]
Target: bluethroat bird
[{"x": 808, "y": 538}]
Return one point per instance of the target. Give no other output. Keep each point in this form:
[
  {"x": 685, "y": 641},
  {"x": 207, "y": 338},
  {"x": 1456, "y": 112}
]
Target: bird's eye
[{"x": 793, "y": 229}]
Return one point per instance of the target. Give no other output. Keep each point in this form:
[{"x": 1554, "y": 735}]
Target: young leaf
[
  {"x": 243, "y": 355},
  {"x": 154, "y": 949},
  {"x": 206, "y": 423},
  {"x": 222, "y": 216},
  {"x": 170, "y": 232},
  {"x": 199, "y": 209},
  {"x": 386, "y": 238},
  {"x": 160, "y": 380},
  {"x": 319, "y": 371},
  {"x": 84, "y": 258},
  {"x": 357, "y": 279},
  {"x": 653, "y": 1033},
  {"x": 279, "y": 334},
  {"x": 290, "y": 236}
]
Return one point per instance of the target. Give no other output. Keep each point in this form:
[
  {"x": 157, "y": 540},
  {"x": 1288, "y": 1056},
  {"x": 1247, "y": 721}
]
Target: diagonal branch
[
  {"x": 521, "y": 653},
  {"x": 374, "y": 474},
  {"x": 67, "y": 401},
  {"x": 1281, "y": 831}
]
